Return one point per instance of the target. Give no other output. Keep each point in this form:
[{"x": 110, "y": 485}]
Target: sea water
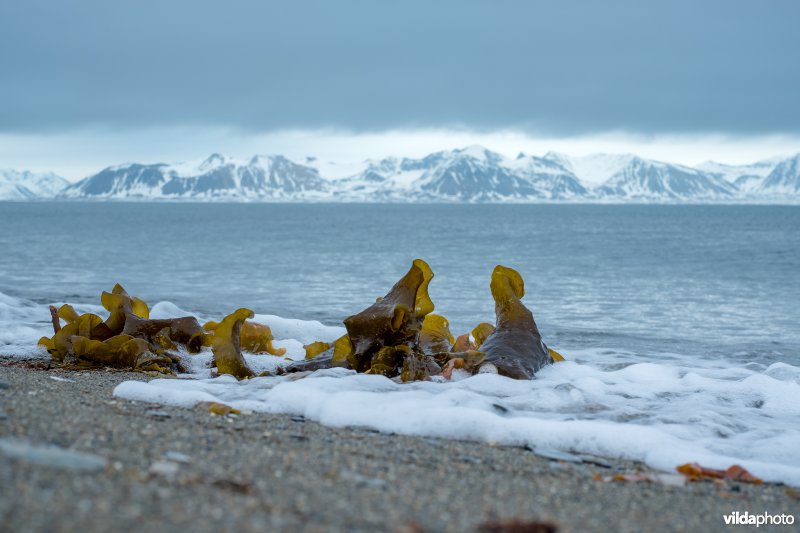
[{"x": 680, "y": 323}]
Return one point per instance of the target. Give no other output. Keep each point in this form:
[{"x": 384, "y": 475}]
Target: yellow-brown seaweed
[
  {"x": 435, "y": 335},
  {"x": 393, "y": 320},
  {"x": 225, "y": 345},
  {"x": 253, "y": 338},
  {"x": 515, "y": 349},
  {"x": 120, "y": 351},
  {"x": 481, "y": 332}
]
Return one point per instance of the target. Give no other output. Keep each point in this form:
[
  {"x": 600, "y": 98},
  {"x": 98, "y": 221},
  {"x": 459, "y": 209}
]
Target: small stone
[
  {"x": 50, "y": 455},
  {"x": 59, "y": 378},
  {"x": 361, "y": 479},
  {"x": 161, "y": 415},
  {"x": 297, "y": 436},
  {"x": 3, "y": 416},
  {"x": 178, "y": 457},
  {"x": 594, "y": 460},
  {"x": 556, "y": 455},
  {"x": 4, "y": 384},
  {"x": 298, "y": 418},
  {"x": 671, "y": 480},
  {"x": 164, "y": 468}
]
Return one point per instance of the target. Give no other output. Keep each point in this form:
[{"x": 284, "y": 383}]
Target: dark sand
[{"x": 258, "y": 472}]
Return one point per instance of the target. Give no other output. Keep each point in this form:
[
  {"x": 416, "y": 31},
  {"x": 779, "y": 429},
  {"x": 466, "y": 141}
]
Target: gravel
[{"x": 182, "y": 468}]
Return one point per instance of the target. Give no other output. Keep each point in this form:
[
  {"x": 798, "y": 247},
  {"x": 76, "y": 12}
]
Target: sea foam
[{"x": 660, "y": 408}]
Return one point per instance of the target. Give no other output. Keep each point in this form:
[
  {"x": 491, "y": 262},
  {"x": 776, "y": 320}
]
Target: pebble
[
  {"x": 50, "y": 455},
  {"x": 59, "y": 378},
  {"x": 671, "y": 480},
  {"x": 3, "y": 416},
  {"x": 178, "y": 457},
  {"x": 594, "y": 460},
  {"x": 299, "y": 418},
  {"x": 556, "y": 455},
  {"x": 158, "y": 414},
  {"x": 4, "y": 384},
  {"x": 164, "y": 468},
  {"x": 361, "y": 479}
]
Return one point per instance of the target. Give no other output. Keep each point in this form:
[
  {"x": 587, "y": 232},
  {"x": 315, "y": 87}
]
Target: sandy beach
[{"x": 145, "y": 467}]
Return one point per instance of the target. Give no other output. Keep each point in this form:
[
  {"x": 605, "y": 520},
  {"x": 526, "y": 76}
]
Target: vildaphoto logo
[{"x": 762, "y": 519}]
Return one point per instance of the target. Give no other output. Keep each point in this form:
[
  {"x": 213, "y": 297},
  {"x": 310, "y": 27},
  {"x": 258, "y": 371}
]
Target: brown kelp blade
[
  {"x": 59, "y": 345},
  {"x": 435, "y": 335},
  {"x": 337, "y": 354},
  {"x": 392, "y": 320},
  {"x": 418, "y": 366},
  {"x": 175, "y": 329},
  {"x": 257, "y": 338},
  {"x": 121, "y": 351},
  {"x": 67, "y": 313},
  {"x": 481, "y": 332},
  {"x": 316, "y": 348},
  {"x": 120, "y": 305},
  {"x": 225, "y": 345},
  {"x": 253, "y": 338},
  {"x": 515, "y": 349}
]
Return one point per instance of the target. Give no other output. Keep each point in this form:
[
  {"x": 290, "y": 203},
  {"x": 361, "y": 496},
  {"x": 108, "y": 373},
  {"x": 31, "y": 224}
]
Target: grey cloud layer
[{"x": 554, "y": 67}]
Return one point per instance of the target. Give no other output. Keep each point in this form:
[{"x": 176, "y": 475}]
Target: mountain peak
[
  {"x": 475, "y": 151},
  {"x": 213, "y": 161}
]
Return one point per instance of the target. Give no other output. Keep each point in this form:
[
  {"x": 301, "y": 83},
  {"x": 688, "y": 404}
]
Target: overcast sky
[{"x": 90, "y": 83}]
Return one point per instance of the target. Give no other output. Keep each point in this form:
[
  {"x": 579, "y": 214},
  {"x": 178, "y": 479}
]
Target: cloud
[{"x": 549, "y": 69}]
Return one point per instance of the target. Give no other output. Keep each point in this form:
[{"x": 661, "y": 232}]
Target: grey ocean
[{"x": 717, "y": 282}]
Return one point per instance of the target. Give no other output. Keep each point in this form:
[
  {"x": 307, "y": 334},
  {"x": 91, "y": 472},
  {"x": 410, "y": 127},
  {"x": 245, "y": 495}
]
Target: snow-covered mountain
[
  {"x": 746, "y": 178},
  {"x": 217, "y": 177},
  {"x": 631, "y": 178},
  {"x": 642, "y": 179},
  {"x": 784, "y": 180},
  {"x": 472, "y": 174},
  {"x": 26, "y": 185}
]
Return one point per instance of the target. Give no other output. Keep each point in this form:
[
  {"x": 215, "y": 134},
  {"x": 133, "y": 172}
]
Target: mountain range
[{"x": 472, "y": 174}]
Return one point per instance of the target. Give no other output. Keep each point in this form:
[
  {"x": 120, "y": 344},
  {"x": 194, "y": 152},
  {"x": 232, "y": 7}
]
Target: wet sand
[{"x": 154, "y": 468}]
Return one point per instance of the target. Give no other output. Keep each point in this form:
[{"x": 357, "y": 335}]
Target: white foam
[{"x": 661, "y": 414}]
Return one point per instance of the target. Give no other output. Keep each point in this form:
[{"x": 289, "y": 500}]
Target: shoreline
[{"x": 169, "y": 468}]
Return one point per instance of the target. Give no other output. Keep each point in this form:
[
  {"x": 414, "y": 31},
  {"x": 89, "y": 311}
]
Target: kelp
[
  {"x": 121, "y": 351},
  {"x": 393, "y": 320},
  {"x": 462, "y": 343},
  {"x": 126, "y": 339},
  {"x": 120, "y": 306},
  {"x": 178, "y": 330},
  {"x": 435, "y": 336},
  {"x": 59, "y": 346},
  {"x": 67, "y": 313},
  {"x": 253, "y": 337},
  {"x": 225, "y": 344},
  {"x": 481, "y": 332},
  {"x": 336, "y": 354},
  {"x": 316, "y": 348},
  {"x": 398, "y": 336},
  {"x": 515, "y": 349},
  {"x": 418, "y": 366}
]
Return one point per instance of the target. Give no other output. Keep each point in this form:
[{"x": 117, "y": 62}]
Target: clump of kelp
[
  {"x": 129, "y": 339},
  {"x": 398, "y": 336}
]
